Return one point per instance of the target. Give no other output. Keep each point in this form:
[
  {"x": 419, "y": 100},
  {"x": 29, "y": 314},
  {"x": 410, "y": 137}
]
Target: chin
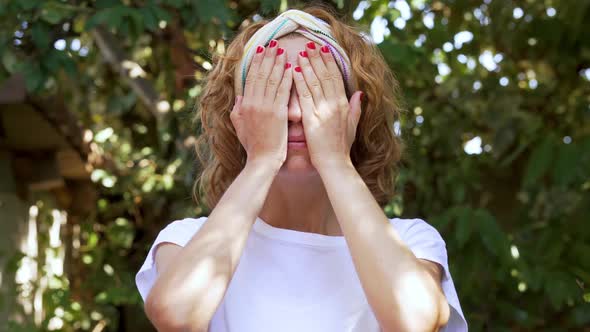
[{"x": 298, "y": 165}]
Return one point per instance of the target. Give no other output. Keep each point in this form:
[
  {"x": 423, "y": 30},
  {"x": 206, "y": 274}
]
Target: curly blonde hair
[{"x": 375, "y": 152}]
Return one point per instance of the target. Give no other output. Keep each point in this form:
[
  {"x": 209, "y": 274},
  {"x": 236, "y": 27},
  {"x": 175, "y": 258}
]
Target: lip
[
  {"x": 296, "y": 145},
  {"x": 296, "y": 139}
]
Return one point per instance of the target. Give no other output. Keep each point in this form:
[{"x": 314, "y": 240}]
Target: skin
[
  {"x": 403, "y": 291},
  {"x": 298, "y": 183},
  {"x": 322, "y": 179}
]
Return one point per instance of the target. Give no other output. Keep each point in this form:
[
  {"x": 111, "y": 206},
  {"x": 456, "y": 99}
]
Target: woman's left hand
[{"x": 329, "y": 118}]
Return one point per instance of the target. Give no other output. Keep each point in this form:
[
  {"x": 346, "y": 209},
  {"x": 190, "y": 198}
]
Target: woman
[{"x": 297, "y": 175}]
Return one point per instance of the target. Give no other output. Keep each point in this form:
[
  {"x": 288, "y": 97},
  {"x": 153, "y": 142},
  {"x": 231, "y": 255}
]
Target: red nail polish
[
  {"x": 362, "y": 97},
  {"x": 273, "y": 43},
  {"x": 287, "y": 65},
  {"x": 298, "y": 69},
  {"x": 325, "y": 49},
  {"x": 303, "y": 54},
  {"x": 311, "y": 45},
  {"x": 259, "y": 49},
  {"x": 280, "y": 51}
]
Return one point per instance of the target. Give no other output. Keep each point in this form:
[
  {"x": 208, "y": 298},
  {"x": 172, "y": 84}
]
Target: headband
[{"x": 305, "y": 24}]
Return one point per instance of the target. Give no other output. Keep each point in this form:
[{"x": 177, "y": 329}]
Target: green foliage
[{"x": 514, "y": 214}]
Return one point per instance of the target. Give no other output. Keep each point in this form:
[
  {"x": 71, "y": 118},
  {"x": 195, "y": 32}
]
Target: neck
[{"x": 301, "y": 204}]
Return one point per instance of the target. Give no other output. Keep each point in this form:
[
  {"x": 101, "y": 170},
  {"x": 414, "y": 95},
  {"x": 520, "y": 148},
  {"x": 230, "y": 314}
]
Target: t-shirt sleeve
[
  {"x": 178, "y": 232},
  {"x": 427, "y": 243}
]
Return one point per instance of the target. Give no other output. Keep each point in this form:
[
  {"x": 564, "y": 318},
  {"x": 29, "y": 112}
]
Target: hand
[
  {"x": 260, "y": 116},
  {"x": 329, "y": 119}
]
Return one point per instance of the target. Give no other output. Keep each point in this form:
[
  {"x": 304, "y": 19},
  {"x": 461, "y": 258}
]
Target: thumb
[
  {"x": 355, "y": 107},
  {"x": 237, "y": 103}
]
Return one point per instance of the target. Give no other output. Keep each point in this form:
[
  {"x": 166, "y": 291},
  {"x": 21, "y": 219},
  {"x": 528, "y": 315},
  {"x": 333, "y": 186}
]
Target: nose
[{"x": 294, "y": 109}]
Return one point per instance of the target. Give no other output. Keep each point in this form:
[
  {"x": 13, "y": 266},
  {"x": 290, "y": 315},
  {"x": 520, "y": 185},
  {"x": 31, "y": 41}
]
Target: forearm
[
  {"x": 401, "y": 293},
  {"x": 191, "y": 288}
]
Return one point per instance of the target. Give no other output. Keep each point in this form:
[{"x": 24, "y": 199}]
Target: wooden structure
[{"x": 43, "y": 153}]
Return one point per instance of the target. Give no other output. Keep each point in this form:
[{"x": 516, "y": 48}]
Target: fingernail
[
  {"x": 280, "y": 51},
  {"x": 287, "y": 65},
  {"x": 362, "y": 97},
  {"x": 303, "y": 54},
  {"x": 325, "y": 49},
  {"x": 259, "y": 49},
  {"x": 298, "y": 69},
  {"x": 273, "y": 43},
  {"x": 311, "y": 45}
]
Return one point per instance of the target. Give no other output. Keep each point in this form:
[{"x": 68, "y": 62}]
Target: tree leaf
[
  {"x": 28, "y": 4},
  {"x": 208, "y": 11},
  {"x": 269, "y": 6},
  {"x": 53, "y": 13},
  {"x": 33, "y": 74},
  {"x": 150, "y": 20},
  {"x": 9, "y": 61},
  {"x": 492, "y": 236},
  {"x": 40, "y": 36},
  {"x": 161, "y": 14},
  {"x": 539, "y": 161},
  {"x": 566, "y": 165},
  {"x": 464, "y": 225}
]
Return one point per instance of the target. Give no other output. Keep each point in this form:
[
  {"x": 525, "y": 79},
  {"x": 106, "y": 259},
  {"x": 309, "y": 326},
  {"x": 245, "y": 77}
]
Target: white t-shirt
[{"x": 289, "y": 280}]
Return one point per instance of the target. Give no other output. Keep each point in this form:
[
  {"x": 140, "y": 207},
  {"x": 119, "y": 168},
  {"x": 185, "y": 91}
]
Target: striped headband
[{"x": 300, "y": 22}]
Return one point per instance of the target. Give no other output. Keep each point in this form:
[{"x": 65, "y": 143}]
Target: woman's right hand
[{"x": 260, "y": 116}]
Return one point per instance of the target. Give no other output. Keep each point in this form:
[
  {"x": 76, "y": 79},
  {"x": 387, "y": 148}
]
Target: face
[{"x": 297, "y": 162}]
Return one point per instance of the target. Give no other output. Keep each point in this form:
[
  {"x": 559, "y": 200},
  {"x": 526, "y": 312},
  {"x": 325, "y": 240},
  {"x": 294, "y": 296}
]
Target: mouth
[
  {"x": 296, "y": 144},
  {"x": 296, "y": 139}
]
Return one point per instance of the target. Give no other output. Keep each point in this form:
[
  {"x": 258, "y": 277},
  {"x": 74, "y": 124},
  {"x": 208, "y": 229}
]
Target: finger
[
  {"x": 305, "y": 96},
  {"x": 276, "y": 75},
  {"x": 265, "y": 68},
  {"x": 236, "y": 111},
  {"x": 320, "y": 70},
  {"x": 330, "y": 62},
  {"x": 355, "y": 108},
  {"x": 251, "y": 77},
  {"x": 310, "y": 78},
  {"x": 284, "y": 90},
  {"x": 237, "y": 104}
]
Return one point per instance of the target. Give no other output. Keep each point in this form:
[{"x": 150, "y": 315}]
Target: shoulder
[
  {"x": 181, "y": 231},
  {"x": 178, "y": 232},
  {"x": 423, "y": 239},
  {"x": 416, "y": 230},
  {"x": 186, "y": 223}
]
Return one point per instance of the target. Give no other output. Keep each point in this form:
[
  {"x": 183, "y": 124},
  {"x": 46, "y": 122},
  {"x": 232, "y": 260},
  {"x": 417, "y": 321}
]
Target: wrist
[
  {"x": 272, "y": 165},
  {"x": 331, "y": 166}
]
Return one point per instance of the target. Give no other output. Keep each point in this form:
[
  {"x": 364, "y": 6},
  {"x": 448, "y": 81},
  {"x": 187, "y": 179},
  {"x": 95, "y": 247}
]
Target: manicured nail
[
  {"x": 311, "y": 45},
  {"x": 325, "y": 49},
  {"x": 273, "y": 43},
  {"x": 303, "y": 54},
  {"x": 298, "y": 69},
  {"x": 287, "y": 65},
  {"x": 259, "y": 49},
  {"x": 280, "y": 51},
  {"x": 362, "y": 97}
]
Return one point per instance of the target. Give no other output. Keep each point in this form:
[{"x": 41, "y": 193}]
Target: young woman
[{"x": 297, "y": 120}]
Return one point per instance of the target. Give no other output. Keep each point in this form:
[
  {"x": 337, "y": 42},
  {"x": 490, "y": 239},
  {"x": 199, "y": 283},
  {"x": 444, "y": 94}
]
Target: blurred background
[{"x": 96, "y": 148}]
